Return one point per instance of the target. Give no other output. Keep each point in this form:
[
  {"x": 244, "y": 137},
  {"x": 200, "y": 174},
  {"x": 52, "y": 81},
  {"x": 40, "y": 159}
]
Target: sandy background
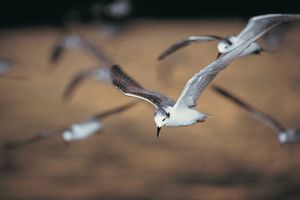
[{"x": 232, "y": 156}]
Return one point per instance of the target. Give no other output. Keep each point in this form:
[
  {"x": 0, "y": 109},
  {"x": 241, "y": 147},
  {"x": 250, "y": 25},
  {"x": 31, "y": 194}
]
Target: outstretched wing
[
  {"x": 76, "y": 41},
  {"x": 195, "y": 86},
  {"x": 57, "y": 52},
  {"x": 99, "y": 73},
  {"x": 187, "y": 41},
  {"x": 98, "y": 52},
  {"x": 131, "y": 88},
  {"x": 43, "y": 135},
  {"x": 254, "y": 111},
  {"x": 119, "y": 109},
  {"x": 261, "y": 23}
]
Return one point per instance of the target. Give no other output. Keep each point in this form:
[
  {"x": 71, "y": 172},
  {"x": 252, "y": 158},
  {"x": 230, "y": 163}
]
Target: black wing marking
[
  {"x": 131, "y": 88},
  {"x": 56, "y": 53},
  {"x": 254, "y": 111}
]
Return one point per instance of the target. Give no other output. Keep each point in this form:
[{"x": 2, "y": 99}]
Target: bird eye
[{"x": 168, "y": 114}]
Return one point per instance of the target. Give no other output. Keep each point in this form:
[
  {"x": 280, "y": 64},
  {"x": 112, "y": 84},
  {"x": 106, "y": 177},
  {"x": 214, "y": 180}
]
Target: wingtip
[
  {"x": 161, "y": 57},
  {"x": 9, "y": 145},
  {"x": 66, "y": 96},
  {"x": 214, "y": 87},
  {"x": 12, "y": 145}
]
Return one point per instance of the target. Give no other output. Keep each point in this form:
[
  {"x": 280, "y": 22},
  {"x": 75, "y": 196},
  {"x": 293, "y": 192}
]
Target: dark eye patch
[{"x": 168, "y": 114}]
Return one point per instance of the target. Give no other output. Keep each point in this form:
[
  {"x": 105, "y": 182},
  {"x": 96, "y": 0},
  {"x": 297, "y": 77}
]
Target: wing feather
[
  {"x": 261, "y": 23},
  {"x": 131, "y": 88},
  {"x": 116, "y": 110},
  {"x": 99, "y": 73},
  {"x": 254, "y": 111},
  {"x": 187, "y": 41},
  {"x": 195, "y": 86}
]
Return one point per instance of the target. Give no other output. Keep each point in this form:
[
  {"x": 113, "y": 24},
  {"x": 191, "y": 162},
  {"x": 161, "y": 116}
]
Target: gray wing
[
  {"x": 43, "y": 135},
  {"x": 195, "y": 86},
  {"x": 274, "y": 39},
  {"x": 254, "y": 111},
  {"x": 69, "y": 41},
  {"x": 116, "y": 110},
  {"x": 97, "y": 51},
  {"x": 57, "y": 52},
  {"x": 75, "y": 41},
  {"x": 131, "y": 88},
  {"x": 261, "y": 23},
  {"x": 98, "y": 73},
  {"x": 187, "y": 41}
]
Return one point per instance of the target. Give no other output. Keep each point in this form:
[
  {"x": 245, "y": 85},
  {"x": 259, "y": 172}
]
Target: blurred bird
[
  {"x": 113, "y": 15},
  {"x": 182, "y": 112},
  {"x": 76, "y": 132},
  {"x": 100, "y": 73},
  {"x": 226, "y": 44},
  {"x": 76, "y": 41},
  {"x": 284, "y": 135},
  {"x": 222, "y": 45},
  {"x": 5, "y": 65},
  {"x": 118, "y": 9}
]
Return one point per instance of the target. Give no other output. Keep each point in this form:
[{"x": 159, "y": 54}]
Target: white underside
[
  {"x": 81, "y": 131},
  {"x": 288, "y": 136},
  {"x": 254, "y": 47},
  {"x": 184, "y": 116}
]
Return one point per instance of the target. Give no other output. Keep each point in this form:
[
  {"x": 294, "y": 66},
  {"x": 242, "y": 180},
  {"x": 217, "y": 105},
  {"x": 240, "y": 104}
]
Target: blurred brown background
[{"x": 231, "y": 156}]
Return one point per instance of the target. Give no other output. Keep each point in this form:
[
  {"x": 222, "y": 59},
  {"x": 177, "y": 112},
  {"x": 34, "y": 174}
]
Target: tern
[
  {"x": 100, "y": 73},
  {"x": 5, "y": 66},
  {"x": 76, "y": 41},
  {"x": 225, "y": 44},
  {"x": 182, "y": 112},
  {"x": 284, "y": 135},
  {"x": 77, "y": 131}
]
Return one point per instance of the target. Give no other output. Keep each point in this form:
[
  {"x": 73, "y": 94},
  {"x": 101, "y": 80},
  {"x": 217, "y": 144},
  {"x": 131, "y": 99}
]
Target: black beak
[
  {"x": 219, "y": 54},
  {"x": 158, "y": 130}
]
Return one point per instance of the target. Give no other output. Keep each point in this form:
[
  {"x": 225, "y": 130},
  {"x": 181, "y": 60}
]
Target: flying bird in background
[
  {"x": 284, "y": 134},
  {"x": 182, "y": 113},
  {"x": 76, "y": 41},
  {"x": 5, "y": 65},
  {"x": 75, "y": 132},
  {"x": 225, "y": 44}
]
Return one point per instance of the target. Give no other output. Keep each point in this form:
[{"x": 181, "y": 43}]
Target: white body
[
  {"x": 72, "y": 41},
  {"x": 288, "y": 136},
  {"x": 81, "y": 131},
  {"x": 180, "y": 117},
  {"x": 223, "y": 46}
]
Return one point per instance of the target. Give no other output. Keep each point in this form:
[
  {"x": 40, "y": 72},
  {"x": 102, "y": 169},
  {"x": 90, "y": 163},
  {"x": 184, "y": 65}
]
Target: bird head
[
  {"x": 225, "y": 43},
  {"x": 161, "y": 118}
]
